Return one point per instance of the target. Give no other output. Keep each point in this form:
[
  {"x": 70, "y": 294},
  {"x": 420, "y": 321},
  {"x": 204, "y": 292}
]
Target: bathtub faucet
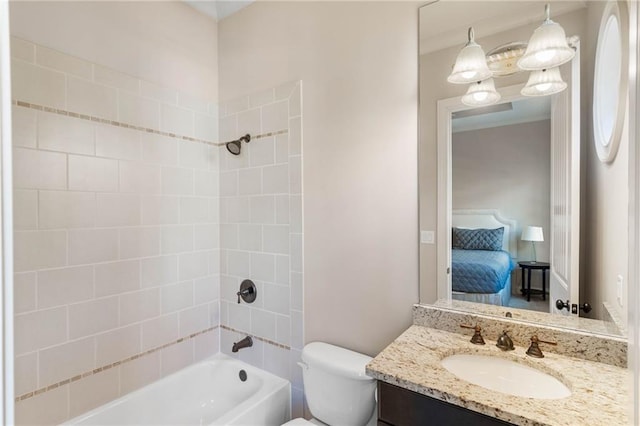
[{"x": 247, "y": 342}]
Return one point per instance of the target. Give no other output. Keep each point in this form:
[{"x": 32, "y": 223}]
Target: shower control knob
[
  {"x": 248, "y": 291},
  {"x": 560, "y": 305}
]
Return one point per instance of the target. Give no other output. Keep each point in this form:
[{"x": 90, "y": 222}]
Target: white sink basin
[{"x": 502, "y": 375}]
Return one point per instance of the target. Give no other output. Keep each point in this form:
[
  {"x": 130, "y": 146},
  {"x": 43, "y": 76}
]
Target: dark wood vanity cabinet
[{"x": 401, "y": 407}]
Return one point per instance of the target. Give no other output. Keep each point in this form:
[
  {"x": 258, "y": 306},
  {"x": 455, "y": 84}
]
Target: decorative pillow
[{"x": 478, "y": 239}]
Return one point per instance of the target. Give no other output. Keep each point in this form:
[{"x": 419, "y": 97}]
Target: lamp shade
[
  {"x": 471, "y": 64},
  {"x": 543, "y": 83},
  {"x": 547, "y": 47},
  {"x": 532, "y": 233},
  {"x": 481, "y": 93}
]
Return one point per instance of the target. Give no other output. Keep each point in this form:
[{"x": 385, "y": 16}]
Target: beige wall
[
  {"x": 606, "y": 224},
  {"x": 168, "y": 43},
  {"x": 358, "y": 65},
  {"x": 506, "y": 168},
  {"x": 434, "y": 69}
]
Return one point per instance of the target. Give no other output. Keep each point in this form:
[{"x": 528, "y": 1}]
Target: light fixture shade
[
  {"x": 547, "y": 48},
  {"x": 481, "y": 93},
  {"x": 544, "y": 83},
  {"x": 532, "y": 233},
  {"x": 471, "y": 64}
]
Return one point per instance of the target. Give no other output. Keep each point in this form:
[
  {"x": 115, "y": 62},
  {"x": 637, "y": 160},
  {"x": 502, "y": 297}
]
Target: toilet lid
[{"x": 298, "y": 422}]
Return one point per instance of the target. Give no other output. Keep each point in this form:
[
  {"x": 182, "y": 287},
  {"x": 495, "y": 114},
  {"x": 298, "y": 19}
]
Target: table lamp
[{"x": 533, "y": 234}]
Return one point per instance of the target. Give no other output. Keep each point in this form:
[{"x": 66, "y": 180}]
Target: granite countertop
[{"x": 599, "y": 393}]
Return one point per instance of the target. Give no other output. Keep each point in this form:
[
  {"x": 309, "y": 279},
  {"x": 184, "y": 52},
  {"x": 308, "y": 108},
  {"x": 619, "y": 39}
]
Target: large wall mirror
[{"x": 525, "y": 217}]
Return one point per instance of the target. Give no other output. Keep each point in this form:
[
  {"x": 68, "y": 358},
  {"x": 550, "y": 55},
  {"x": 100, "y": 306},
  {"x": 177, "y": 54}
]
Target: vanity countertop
[{"x": 413, "y": 361}]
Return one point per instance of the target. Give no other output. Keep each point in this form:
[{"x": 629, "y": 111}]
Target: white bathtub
[{"x": 207, "y": 393}]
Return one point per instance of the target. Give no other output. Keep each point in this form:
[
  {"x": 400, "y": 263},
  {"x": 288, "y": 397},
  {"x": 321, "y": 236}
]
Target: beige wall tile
[
  {"x": 61, "y": 62},
  {"x": 47, "y": 408},
  {"x": 194, "y": 319},
  {"x": 93, "y": 391},
  {"x": 249, "y": 122},
  {"x": 39, "y": 170},
  {"x": 139, "y": 306},
  {"x": 176, "y": 120},
  {"x": 25, "y": 209},
  {"x": 159, "y": 149},
  {"x": 175, "y": 357},
  {"x": 24, "y": 292},
  {"x": 263, "y": 266},
  {"x": 159, "y": 331},
  {"x": 263, "y": 324},
  {"x": 277, "y": 298},
  {"x": 194, "y": 154},
  {"x": 206, "y": 289},
  {"x": 158, "y": 271},
  {"x": 206, "y": 345},
  {"x": 206, "y": 183},
  {"x": 177, "y": 181},
  {"x": 177, "y": 239},
  {"x": 133, "y": 109},
  {"x": 177, "y": 296},
  {"x": 117, "y": 142},
  {"x": 22, "y": 49},
  {"x": 39, "y": 249},
  {"x": 139, "y": 372},
  {"x": 193, "y": 103},
  {"x": 139, "y": 178},
  {"x": 275, "y": 179},
  {"x": 193, "y": 265},
  {"x": 85, "y": 97},
  {"x": 57, "y": 287},
  {"x": 118, "y": 344},
  {"x": 92, "y": 174},
  {"x": 34, "y": 84},
  {"x": 276, "y": 239},
  {"x": 24, "y": 126},
  {"x": 283, "y": 329},
  {"x": 250, "y": 181},
  {"x": 110, "y": 77},
  {"x": 118, "y": 210},
  {"x": 93, "y": 317},
  {"x": 194, "y": 210},
  {"x": 262, "y": 209},
  {"x": 206, "y": 236},
  {"x": 275, "y": 116},
  {"x": 40, "y": 329},
  {"x": 262, "y": 152},
  {"x": 117, "y": 277},
  {"x": 160, "y": 210},
  {"x": 66, "y": 134},
  {"x": 65, "y": 361},
  {"x": 206, "y": 127},
  {"x": 139, "y": 242},
  {"x": 159, "y": 93},
  {"x": 92, "y": 246},
  {"x": 63, "y": 209},
  {"x": 26, "y": 373}
]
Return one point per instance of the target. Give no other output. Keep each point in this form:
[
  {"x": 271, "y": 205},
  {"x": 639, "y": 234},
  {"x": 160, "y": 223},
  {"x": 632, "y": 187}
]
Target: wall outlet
[
  {"x": 427, "y": 237},
  {"x": 619, "y": 282}
]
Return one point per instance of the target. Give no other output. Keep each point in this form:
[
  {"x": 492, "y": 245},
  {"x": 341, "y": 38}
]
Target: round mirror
[{"x": 610, "y": 80}]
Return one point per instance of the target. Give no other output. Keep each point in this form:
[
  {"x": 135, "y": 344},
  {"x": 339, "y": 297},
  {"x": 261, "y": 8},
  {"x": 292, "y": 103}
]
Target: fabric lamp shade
[
  {"x": 547, "y": 47},
  {"x": 471, "y": 64},
  {"x": 532, "y": 233},
  {"x": 481, "y": 93},
  {"x": 544, "y": 83}
]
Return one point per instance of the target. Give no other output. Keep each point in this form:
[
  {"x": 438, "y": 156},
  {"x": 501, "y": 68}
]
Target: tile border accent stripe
[
  {"x": 109, "y": 366},
  {"x": 131, "y": 126},
  {"x": 262, "y": 339}
]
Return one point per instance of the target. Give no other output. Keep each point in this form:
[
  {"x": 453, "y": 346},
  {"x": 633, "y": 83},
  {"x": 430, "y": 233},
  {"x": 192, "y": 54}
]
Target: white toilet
[{"x": 338, "y": 391}]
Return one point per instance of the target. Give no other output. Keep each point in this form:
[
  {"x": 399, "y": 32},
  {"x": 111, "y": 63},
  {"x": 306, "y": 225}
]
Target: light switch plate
[{"x": 427, "y": 237}]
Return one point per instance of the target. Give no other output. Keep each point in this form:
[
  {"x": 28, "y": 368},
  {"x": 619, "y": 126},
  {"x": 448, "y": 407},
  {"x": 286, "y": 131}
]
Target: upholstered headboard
[{"x": 489, "y": 219}]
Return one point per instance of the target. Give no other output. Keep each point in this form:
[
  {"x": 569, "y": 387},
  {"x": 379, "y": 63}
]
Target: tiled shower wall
[
  {"x": 116, "y": 232},
  {"x": 261, "y": 231}
]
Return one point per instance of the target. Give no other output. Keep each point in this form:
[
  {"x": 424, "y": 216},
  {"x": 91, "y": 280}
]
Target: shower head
[{"x": 234, "y": 147}]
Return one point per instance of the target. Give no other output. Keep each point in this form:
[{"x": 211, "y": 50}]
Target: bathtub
[{"x": 207, "y": 393}]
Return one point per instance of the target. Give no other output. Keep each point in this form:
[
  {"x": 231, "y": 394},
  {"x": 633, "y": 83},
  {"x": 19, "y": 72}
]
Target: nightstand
[{"x": 528, "y": 267}]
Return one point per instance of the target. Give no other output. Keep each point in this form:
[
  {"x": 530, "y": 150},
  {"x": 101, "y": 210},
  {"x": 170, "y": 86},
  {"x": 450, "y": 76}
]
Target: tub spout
[{"x": 247, "y": 342}]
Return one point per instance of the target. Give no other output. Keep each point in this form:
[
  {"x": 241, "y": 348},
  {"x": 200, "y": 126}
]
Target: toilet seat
[{"x": 304, "y": 422}]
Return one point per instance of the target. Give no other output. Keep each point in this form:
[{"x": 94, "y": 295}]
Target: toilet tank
[{"x": 336, "y": 387}]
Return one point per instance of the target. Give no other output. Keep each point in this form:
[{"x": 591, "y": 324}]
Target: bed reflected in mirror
[{"x": 500, "y": 156}]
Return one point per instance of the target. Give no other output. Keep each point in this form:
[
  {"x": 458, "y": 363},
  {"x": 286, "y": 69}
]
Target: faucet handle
[
  {"x": 534, "y": 349},
  {"x": 477, "y": 335}
]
